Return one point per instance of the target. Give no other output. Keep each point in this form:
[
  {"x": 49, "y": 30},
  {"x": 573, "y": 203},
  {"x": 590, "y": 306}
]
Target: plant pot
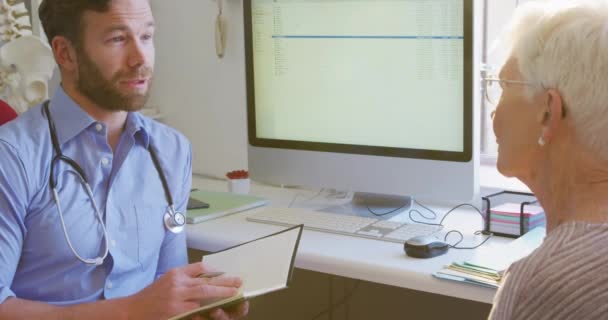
[{"x": 240, "y": 186}]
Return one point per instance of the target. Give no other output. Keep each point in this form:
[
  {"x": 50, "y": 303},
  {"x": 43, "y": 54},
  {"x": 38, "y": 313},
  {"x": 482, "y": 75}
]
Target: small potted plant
[{"x": 238, "y": 181}]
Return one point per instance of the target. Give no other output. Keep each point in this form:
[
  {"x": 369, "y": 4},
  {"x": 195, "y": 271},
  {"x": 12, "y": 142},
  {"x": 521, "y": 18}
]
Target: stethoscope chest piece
[{"x": 174, "y": 222}]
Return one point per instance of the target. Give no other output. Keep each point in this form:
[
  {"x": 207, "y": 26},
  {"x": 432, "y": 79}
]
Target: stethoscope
[{"x": 174, "y": 221}]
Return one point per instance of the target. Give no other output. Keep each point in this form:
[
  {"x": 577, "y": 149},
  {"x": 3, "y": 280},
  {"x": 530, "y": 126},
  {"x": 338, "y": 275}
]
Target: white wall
[{"x": 199, "y": 94}]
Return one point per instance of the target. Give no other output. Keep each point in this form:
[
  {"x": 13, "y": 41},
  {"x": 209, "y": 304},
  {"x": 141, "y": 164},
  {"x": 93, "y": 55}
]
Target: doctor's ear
[{"x": 65, "y": 53}]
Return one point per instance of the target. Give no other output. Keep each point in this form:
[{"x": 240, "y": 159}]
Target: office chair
[{"x": 6, "y": 113}]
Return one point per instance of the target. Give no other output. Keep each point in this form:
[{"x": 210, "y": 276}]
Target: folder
[
  {"x": 452, "y": 275},
  {"x": 487, "y": 266},
  {"x": 221, "y": 204},
  {"x": 264, "y": 265}
]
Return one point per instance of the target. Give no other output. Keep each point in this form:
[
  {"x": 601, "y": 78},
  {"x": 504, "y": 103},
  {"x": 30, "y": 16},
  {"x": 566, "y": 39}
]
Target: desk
[{"x": 358, "y": 258}]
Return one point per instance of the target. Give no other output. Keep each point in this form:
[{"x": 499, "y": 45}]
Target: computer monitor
[{"x": 363, "y": 95}]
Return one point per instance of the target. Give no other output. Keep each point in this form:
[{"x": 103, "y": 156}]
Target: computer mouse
[{"x": 425, "y": 247}]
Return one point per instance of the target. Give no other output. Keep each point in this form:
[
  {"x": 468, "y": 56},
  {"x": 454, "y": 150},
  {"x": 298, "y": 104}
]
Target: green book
[{"x": 221, "y": 204}]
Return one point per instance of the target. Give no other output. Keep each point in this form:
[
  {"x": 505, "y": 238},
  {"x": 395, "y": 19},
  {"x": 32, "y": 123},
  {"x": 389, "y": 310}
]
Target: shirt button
[
  {"x": 98, "y": 127},
  {"x": 105, "y": 161},
  {"x": 113, "y": 243},
  {"x": 109, "y": 285}
]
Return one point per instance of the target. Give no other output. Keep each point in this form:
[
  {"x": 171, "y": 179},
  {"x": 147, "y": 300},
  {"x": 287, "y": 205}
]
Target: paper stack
[
  {"x": 486, "y": 268},
  {"x": 469, "y": 273},
  {"x": 505, "y": 218}
]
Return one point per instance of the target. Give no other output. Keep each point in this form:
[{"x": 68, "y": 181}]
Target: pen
[{"x": 210, "y": 274}]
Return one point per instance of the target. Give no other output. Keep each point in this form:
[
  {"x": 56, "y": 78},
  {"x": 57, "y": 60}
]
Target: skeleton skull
[{"x": 27, "y": 65}]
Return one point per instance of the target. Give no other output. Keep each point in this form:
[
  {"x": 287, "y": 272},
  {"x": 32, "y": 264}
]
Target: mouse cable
[
  {"x": 444, "y": 216},
  {"x": 433, "y": 213},
  {"x": 454, "y": 246},
  {"x": 434, "y": 216}
]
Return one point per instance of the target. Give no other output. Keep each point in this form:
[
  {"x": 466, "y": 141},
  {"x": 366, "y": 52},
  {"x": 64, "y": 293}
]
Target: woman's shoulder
[
  {"x": 573, "y": 256},
  {"x": 573, "y": 240}
]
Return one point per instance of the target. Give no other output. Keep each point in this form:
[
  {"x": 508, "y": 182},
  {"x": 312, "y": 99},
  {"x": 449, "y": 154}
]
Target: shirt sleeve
[
  {"x": 13, "y": 204},
  {"x": 173, "y": 252}
]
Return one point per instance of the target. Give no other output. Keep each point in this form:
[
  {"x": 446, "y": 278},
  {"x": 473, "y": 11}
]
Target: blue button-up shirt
[{"x": 36, "y": 262}]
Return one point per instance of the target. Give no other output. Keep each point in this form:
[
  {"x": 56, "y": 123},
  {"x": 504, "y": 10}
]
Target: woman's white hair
[{"x": 564, "y": 45}]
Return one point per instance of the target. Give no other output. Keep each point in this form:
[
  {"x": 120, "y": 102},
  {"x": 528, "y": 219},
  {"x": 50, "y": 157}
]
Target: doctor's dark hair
[{"x": 64, "y": 17}]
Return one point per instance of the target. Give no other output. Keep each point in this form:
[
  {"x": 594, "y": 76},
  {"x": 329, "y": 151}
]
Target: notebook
[
  {"x": 264, "y": 265},
  {"x": 221, "y": 204}
]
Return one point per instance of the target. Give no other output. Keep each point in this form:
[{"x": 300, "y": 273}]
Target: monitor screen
[{"x": 361, "y": 77}]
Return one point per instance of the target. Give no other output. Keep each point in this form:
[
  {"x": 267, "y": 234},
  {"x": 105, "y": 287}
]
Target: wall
[{"x": 200, "y": 95}]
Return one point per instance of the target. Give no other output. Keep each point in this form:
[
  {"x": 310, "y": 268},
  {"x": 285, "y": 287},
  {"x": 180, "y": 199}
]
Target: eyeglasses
[{"x": 493, "y": 89}]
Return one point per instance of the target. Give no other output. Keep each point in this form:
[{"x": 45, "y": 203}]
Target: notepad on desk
[
  {"x": 264, "y": 265},
  {"x": 487, "y": 266},
  {"x": 221, "y": 204}
]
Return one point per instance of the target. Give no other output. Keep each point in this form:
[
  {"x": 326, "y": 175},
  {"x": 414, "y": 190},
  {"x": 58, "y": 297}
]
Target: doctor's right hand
[{"x": 178, "y": 291}]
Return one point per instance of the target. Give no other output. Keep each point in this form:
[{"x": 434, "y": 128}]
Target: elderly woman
[{"x": 551, "y": 124}]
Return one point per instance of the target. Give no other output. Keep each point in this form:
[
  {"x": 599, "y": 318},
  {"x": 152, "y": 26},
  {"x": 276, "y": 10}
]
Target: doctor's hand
[{"x": 178, "y": 291}]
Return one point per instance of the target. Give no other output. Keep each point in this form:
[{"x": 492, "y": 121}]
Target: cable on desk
[
  {"x": 453, "y": 246},
  {"x": 444, "y": 216},
  {"x": 422, "y": 215},
  {"x": 434, "y": 216}
]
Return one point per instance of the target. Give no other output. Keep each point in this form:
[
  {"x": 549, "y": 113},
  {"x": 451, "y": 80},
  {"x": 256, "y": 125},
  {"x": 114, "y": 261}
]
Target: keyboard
[{"x": 356, "y": 226}]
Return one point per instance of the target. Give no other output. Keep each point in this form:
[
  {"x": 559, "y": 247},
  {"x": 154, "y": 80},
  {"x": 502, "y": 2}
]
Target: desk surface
[{"x": 370, "y": 260}]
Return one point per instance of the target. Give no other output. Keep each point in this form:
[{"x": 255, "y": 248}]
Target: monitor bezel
[{"x": 456, "y": 156}]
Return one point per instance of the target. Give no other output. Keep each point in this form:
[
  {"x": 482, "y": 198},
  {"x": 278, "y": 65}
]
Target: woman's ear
[
  {"x": 65, "y": 53},
  {"x": 556, "y": 104},
  {"x": 553, "y": 113}
]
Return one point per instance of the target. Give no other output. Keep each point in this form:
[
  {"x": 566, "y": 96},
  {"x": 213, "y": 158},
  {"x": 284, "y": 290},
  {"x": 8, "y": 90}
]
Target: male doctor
[{"x": 116, "y": 249}]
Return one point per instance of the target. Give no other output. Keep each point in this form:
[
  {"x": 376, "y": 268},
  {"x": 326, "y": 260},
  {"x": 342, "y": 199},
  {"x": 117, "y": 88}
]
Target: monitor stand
[{"x": 381, "y": 204}]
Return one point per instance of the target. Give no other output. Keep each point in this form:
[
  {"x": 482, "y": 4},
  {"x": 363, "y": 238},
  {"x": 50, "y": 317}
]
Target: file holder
[{"x": 523, "y": 198}]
